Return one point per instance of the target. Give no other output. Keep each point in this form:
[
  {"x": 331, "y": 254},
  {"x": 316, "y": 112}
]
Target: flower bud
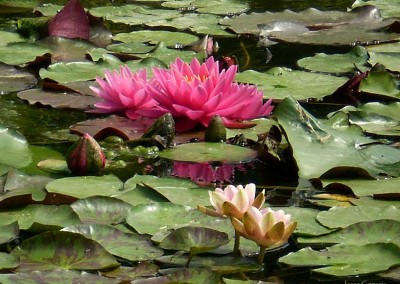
[{"x": 85, "y": 157}]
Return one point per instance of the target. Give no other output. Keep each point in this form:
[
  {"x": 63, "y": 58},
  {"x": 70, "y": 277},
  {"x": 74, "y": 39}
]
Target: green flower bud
[{"x": 85, "y": 157}]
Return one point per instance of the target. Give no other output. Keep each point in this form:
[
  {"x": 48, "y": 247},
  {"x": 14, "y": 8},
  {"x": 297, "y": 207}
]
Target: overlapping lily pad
[
  {"x": 154, "y": 37},
  {"x": 12, "y": 79},
  {"x": 15, "y": 151},
  {"x": 132, "y": 246},
  {"x": 387, "y": 8},
  {"x": 9, "y": 232},
  {"x": 21, "y": 53},
  {"x": 319, "y": 149},
  {"x": 57, "y": 249},
  {"x": 8, "y": 261},
  {"x": 339, "y": 260}
]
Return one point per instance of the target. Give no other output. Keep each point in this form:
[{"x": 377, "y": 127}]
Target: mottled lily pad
[
  {"x": 57, "y": 249},
  {"x": 194, "y": 240},
  {"x": 101, "y": 210},
  {"x": 132, "y": 247}
]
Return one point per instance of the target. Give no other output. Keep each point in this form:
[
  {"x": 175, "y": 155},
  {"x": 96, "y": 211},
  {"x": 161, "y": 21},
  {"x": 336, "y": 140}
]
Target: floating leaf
[
  {"x": 8, "y": 233},
  {"x": 319, "y": 149},
  {"x": 35, "y": 217},
  {"x": 380, "y": 82},
  {"x": 340, "y": 217},
  {"x": 154, "y": 37},
  {"x": 336, "y": 63},
  {"x": 21, "y": 53},
  {"x": 176, "y": 190},
  {"x": 57, "y": 249},
  {"x": 219, "y": 7},
  {"x": 346, "y": 260},
  {"x": 40, "y": 153},
  {"x": 282, "y": 82},
  {"x": 8, "y": 261},
  {"x": 85, "y": 186},
  {"x": 194, "y": 239},
  {"x": 101, "y": 210},
  {"x": 386, "y": 7},
  {"x": 130, "y": 273},
  {"x": 55, "y": 276},
  {"x": 14, "y": 148},
  {"x": 189, "y": 275},
  {"x": 139, "y": 195},
  {"x": 13, "y": 80},
  {"x": 361, "y": 234},
  {"x": 132, "y": 247},
  {"x": 209, "y": 152}
]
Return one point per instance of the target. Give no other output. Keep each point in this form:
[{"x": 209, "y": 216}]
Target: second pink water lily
[{"x": 196, "y": 92}]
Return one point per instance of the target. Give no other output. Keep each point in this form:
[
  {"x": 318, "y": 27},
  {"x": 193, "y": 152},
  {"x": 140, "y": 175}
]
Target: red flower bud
[{"x": 85, "y": 157}]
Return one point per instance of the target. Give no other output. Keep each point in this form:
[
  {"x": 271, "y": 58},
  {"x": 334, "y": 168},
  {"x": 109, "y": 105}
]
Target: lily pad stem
[{"x": 236, "y": 251}]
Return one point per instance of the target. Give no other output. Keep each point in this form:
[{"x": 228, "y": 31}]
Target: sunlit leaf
[
  {"x": 8, "y": 261},
  {"x": 14, "y": 148},
  {"x": 154, "y": 37},
  {"x": 9, "y": 232}
]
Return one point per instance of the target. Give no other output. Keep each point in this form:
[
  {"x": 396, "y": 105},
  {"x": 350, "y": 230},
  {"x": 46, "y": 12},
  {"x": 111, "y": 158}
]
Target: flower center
[{"x": 189, "y": 79}]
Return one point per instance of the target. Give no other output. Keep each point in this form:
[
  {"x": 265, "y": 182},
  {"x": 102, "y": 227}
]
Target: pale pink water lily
[
  {"x": 268, "y": 228},
  {"x": 234, "y": 201},
  {"x": 127, "y": 92},
  {"x": 196, "y": 92}
]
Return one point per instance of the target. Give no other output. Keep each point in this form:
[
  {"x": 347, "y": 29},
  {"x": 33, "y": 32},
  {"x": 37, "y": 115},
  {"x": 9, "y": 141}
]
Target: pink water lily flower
[
  {"x": 268, "y": 228},
  {"x": 195, "y": 92},
  {"x": 234, "y": 201},
  {"x": 127, "y": 92}
]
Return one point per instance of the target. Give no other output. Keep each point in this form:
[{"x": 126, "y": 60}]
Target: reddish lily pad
[
  {"x": 57, "y": 249},
  {"x": 113, "y": 125},
  {"x": 131, "y": 273}
]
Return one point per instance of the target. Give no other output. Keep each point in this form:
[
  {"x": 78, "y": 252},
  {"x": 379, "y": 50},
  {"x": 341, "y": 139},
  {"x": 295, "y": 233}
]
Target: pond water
[{"x": 46, "y": 126}]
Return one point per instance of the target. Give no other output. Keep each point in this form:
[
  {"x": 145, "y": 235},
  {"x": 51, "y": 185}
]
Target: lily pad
[
  {"x": 86, "y": 186},
  {"x": 386, "y": 7},
  {"x": 65, "y": 100},
  {"x": 346, "y": 260},
  {"x": 194, "y": 240},
  {"x": 188, "y": 275},
  {"x": 319, "y": 149},
  {"x": 13, "y": 80},
  {"x": 209, "y": 152},
  {"x": 21, "y": 53},
  {"x": 8, "y": 233},
  {"x": 8, "y": 261},
  {"x": 224, "y": 7},
  {"x": 340, "y": 217},
  {"x": 54, "y": 276},
  {"x": 380, "y": 82},
  {"x": 350, "y": 62},
  {"x": 390, "y": 60},
  {"x": 140, "y": 195},
  {"x": 35, "y": 217},
  {"x": 361, "y": 234},
  {"x": 154, "y": 37},
  {"x": 9, "y": 37},
  {"x": 176, "y": 190},
  {"x": 57, "y": 249},
  {"x": 282, "y": 82},
  {"x": 132, "y": 247},
  {"x": 222, "y": 264},
  {"x": 130, "y": 273},
  {"x": 14, "y": 148},
  {"x": 101, "y": 210}
]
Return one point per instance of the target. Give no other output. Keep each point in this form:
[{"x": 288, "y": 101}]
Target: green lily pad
[
  {"x": 8, "y": 261},
  {"x": 154, "y": 37},
  {"x": 307, "y": 224},
  {"x": 57, "y": 249},
  {"x": 9, "y": 232},
  {"x": 336, "y": 63},
  {"x": 362, "y": 187},
  {"x": 55, "y": 276},
  {"x": 194, "y": 240},
  {"x": 319, "y": 149},
  {"x": 222, "y": 264},
  {"x": 13, "y": 79},
  {"x": 86, "y": 186},
  {"x": 40, "y": 153},
  {"x": 361, "y": 234},
  {"x": 140, "y": 195},
  {"x": 35, "y": 217},
  {"x": 176, "y": 190},
  {"x": 101, "y": 210},
  {"x": 282, "y": 82},
  {"x": 21, "y": 53},
  {"x": 380, "y": 82},
  {"x": 346, "y": 260},
  {"x": 340, "y": 217},
  {"x": 22, "y": 196},
  {"x": 390, "y": 60},
  {"x": 9, "y": 37},
  {"x": 132, "y": 247},
  {"x": 14, "y": 148},
  {"x": 224, "y": 7},
  {"x": 209, "y": 152},
  {"x": 17, "y": 180},
  {"x": 189, "y": 275}
]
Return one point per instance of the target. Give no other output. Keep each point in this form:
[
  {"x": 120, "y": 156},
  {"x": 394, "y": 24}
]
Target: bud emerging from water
[{"x": 85, "y": 157}]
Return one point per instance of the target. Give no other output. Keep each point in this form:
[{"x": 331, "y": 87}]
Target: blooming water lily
[{"x": 193, "y": 93}]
